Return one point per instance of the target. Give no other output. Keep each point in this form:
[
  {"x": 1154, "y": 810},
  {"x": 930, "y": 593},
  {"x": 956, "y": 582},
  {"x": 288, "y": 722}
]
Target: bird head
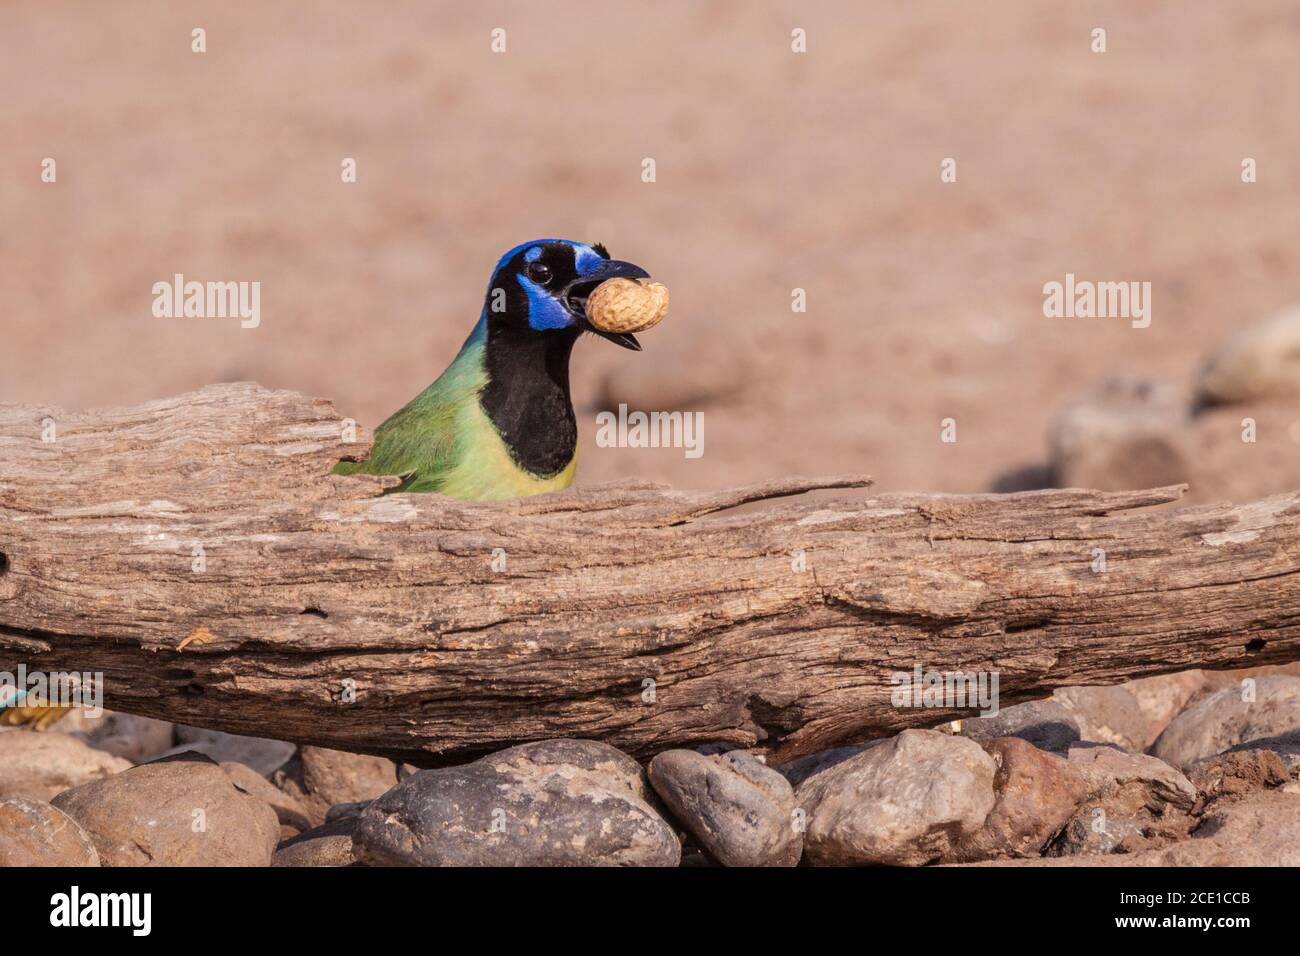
[{"x": 542, "y": 287}]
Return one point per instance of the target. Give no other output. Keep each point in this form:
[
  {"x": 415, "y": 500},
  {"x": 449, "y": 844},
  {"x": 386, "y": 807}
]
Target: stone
[
  {"x": 33, "y": 833},
  {"x": 37, "y": 765},
  {"x": 801, "y": 768},
  {"x": 551, "y": 803},
  {"x": 1112, "y": 825},
  {"x": 1109, "y": 715},
  {"x": 1224, "y": 719},
  {"x": 736, "y": 808},
  {"x": 319, "y": 778},
  {"x": 262, "y": 754},
  {"x": 1136, "y": 803},
  {"x": 329, "y": 844},
  {"x": 1261, "y": 830},
  {"x": 291, "y": 814},
  {"x": 1044, "y": 723},
  {"x": 1162, "y": 698},
  {"x": 177, "y": 811},
  {"x": 1259, "y": 362},
  {"x": 906, "y": 802},
  {"x": 1106, "y": 767},
  {"x": 1231, "y": 776},
  {"x": 133, "y": 738},
  {"x": 1127, "y": 433},
  {"x": 1286, "y": 746},
  {"x": 1036, "y": 793}
]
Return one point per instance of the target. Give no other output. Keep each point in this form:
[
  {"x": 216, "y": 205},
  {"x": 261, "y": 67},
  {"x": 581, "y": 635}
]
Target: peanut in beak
[{"x": 627, "y": 305}]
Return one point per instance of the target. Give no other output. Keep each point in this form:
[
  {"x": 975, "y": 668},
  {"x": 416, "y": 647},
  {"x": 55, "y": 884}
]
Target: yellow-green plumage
[
  {"x": 499, "y": 422},
  {"x": 443, "y": 441}
]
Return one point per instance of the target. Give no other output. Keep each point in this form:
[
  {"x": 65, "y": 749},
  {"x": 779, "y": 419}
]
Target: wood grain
[{"x": 327, "y": 612}]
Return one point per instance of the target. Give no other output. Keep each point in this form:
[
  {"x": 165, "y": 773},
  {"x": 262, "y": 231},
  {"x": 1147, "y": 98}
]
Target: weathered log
[{"x": 199, "y": 553}]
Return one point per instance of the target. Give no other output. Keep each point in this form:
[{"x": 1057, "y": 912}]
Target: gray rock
[
  {"x": 1286, "y": 746},
  {"x": 1044, "y": 723},
  {"x": 1261, "y": 830},
  {"x": 1106, "y": 768},
  {"x": 738, "y": 809},
  {"x": 906, "y": 802},
  {"x": 1100, "y": 829},
  {"x": 319, "y": 778},
  {"x": 1109, "y": 715},
  {"x": 291, "y": 814},
  {"x": 262, "y": 754},
  {"x": 1261, "y": 361},
  {"x": 552, "y": 803},
  {"x": 1224, "y": 720},
  {"x": 1036, "y": 795},
  {"x": 38, "y": 765},
  {"x": 1126, "y": 433},
  {"x": 1162, "y": 698},
  {"x": 801, "y": 768},
  {"x": 178, "y": 811},
  {"x": 133, "y": 738},
  {"x": 329, "y": 844},
  {"x": 1136, "y": 803},
  {"x": 33, "y": 833}
]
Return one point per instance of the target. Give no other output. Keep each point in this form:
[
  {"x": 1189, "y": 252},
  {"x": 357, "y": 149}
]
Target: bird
[{"x": 498, "y": 423}]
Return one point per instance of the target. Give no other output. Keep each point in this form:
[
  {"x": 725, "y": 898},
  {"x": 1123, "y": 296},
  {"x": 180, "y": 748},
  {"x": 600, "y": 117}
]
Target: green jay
[{"x": 499, "y": 422}]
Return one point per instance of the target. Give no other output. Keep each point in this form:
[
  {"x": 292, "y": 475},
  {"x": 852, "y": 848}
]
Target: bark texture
[{"x": 198, "y": 552}]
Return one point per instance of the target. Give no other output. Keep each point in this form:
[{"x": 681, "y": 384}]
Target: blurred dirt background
[{"x": 775, "y": 171}]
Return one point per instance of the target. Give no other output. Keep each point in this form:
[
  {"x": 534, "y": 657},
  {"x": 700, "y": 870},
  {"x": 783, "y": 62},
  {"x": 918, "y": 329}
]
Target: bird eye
[{"x": 539, "y": 272}]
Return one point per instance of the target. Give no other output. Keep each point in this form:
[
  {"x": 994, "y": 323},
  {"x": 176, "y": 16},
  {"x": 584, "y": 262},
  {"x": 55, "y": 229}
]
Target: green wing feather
[{"x": 423, "y": 441}]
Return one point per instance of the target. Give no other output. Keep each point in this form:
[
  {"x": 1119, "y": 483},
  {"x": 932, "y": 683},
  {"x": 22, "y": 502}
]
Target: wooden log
[{"x": 198, "y": 552}]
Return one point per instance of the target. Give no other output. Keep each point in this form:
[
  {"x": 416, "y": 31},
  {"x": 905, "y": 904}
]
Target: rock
[
  {"x": 1124, "y": 434},
  {"x": 801, "y": 768},
  {"x": 551, "y": 803},
  {"x": 1231, "y": 776},
  {"x": 346, "y": 811},
  {"x": 329, "y": 844},
  {"x": 906, "y": 802},
  {"x": 738, "y": 809},
  {"x": 1261, "y": 361},
  {"x": 1108, "y": 715},
  {"x": 1286, "y": 746},
  {"x": 1036, "y": 794},
  {"x": 150, "y": 816},
  {"x": 38, "y": 765},
  {"x": 133, "y": 738},
  {"x": 319, "y": 778},
  {"x": 1105, "y": 767},
  {"x": 33, "y": 833},
  {"x": 1136, "y": 803},
  {"x": 262, "y": 754},
  {"x": 1261, "y": 830},
  {"x": 1044, "y": 723},
  {"x": 1223, "y": 720},
  {"x": 293, "y": 816},
  {"x": 1112, "y": 825},
  {"x": 1162, "y": 698}
]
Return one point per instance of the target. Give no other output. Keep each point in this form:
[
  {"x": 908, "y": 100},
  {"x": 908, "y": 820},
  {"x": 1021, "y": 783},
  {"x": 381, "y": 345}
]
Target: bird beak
[{"x": 575, "y": 298}]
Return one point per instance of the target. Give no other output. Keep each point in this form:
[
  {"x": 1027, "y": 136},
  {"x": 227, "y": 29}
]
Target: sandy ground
[{"x": 774, "y": 171}]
